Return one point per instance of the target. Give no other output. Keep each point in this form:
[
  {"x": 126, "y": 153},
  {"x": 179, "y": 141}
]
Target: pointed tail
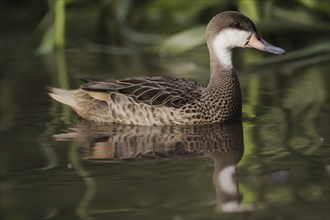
[{"x": 64, "y": 96}]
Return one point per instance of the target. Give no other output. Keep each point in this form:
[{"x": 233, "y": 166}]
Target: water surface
[{"x": 272, "y": 165}]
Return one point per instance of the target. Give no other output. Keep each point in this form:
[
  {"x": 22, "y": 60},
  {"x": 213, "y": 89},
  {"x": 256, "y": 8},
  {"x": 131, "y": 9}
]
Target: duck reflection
[{"x": 221, "y": 142}]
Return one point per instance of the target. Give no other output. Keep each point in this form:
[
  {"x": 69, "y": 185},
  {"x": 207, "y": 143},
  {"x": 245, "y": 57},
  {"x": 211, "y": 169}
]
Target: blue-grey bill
[{"x": 260, "y": 44}]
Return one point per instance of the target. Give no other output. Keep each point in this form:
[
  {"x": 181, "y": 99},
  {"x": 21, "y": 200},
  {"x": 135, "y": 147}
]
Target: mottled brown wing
[{"x": 155, "y": 91}]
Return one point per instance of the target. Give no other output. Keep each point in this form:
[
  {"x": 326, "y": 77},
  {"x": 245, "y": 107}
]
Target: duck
[{"x": 162, "y": 100}]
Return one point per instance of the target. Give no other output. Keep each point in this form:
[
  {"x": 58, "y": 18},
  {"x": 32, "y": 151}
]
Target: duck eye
[{"x": 236, "y": 25}]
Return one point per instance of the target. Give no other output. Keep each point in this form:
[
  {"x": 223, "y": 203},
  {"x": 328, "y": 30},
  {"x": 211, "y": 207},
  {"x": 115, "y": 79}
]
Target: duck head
[{"x": 231, "y": 29}]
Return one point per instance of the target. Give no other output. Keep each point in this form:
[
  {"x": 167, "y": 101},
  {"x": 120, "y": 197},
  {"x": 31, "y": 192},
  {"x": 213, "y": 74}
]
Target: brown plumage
[{"x": 165, "y": 100}]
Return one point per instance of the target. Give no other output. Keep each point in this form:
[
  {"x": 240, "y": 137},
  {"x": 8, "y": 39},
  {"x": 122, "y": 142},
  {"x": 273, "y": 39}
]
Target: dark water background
[{"x": 55, "y": 166}]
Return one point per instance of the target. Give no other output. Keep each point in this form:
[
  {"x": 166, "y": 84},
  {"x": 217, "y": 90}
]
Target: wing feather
[{"x": 155, "y": 91}]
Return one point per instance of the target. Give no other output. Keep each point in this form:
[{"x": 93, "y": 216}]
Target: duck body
[{"x": 166, "y": 100}]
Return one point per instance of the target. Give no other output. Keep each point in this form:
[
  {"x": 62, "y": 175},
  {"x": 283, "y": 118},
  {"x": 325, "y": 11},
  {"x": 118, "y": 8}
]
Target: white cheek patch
[
  {"x": 231, "y": 38},
  {"x": 225, "y": 41}
]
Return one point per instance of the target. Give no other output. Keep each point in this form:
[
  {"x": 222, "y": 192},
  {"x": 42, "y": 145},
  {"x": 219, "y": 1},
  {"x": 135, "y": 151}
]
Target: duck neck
[
  {"x": 224, "y": 89},
  {"x": 221, "y": 57},
  {"x": 221, "y": 68}
]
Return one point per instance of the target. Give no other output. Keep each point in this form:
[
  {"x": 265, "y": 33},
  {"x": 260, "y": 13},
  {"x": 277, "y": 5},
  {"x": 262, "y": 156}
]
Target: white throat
[{"x": 225, "y": 41}]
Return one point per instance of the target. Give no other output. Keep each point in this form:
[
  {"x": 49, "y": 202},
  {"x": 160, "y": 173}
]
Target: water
[{"x": 272, "y": 165}]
